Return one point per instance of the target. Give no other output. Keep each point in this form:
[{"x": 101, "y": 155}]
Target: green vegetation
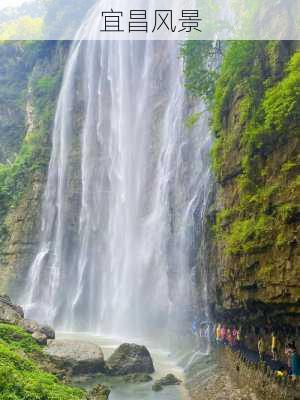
[
  {"x": 17, "y": 339},
  {"x": 268, "y": 114},
  {"x": 281, "y": 102},
  {"x": 249, "y": 235},
  {"x": 200, "y": 76},
  {"x": 62, "y": 16},
  {"x": 192, "y": 119},
  {"x": 45, "y": 90},
  {"x": 20, "y": 376},
  {"x": 19, "y": 28},
  {"x": 240, "y": 71},
  {"x": 254, "y": 102},
  {"x": 268, "y": 107},
  {"x": 13, "y": 176},
  {"x": 39, "y": 90},
  {"x": 13, "y": 82},
  {"x": 40, "y": 19}
]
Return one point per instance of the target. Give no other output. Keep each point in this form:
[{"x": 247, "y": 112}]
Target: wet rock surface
[
  {"x": 10, "y": 313},
  {"x": 13, "y": 314},
  {"x": 256, "y": 274},
  {"x": 48, "y": 331},
  {"x": 157, "y": 387},
  {"x": 168, "y": 380},
  {"x": 76, "y": 357},
  {"x": 130, "y": 359},
  {"x": 40, "y": 338},
  {"x": 40, "y": 333}
]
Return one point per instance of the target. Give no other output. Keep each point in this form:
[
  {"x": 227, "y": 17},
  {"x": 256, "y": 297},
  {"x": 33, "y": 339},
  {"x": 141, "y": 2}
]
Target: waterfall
[{"x": 126, "y": 193}]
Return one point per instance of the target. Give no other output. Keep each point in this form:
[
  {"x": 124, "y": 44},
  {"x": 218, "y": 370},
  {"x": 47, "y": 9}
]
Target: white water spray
[{"x": 126, "y": 193}]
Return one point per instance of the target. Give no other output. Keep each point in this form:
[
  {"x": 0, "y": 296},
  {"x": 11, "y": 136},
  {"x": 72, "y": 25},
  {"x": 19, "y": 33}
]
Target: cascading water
[{"x": 126, "y": 194}]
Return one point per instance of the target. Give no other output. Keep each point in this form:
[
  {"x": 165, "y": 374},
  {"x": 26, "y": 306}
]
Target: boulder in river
[
  {"x": 130, "y": 359},
  {"x": 10, "y": 313},
  {"x": 76, "y": 357},
  {"x": 168, "y": 380},
  {"x": 157, "y": 387},
  {"x": 48, "y": 332}
]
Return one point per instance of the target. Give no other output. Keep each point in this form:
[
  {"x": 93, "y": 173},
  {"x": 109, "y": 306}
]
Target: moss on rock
[
  {"x": 22, "y": 179},
  {"x": 256, "y": 161},
  {"x": 21, "y": 377},
  {"x": 254, "y": 253}
]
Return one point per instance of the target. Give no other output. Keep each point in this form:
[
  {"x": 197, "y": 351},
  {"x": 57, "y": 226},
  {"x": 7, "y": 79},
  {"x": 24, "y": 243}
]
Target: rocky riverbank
[
  {"x": 63, "y": 361},
  {"x": 208, "y": 380},
  {"x": 33, "y": 366}
]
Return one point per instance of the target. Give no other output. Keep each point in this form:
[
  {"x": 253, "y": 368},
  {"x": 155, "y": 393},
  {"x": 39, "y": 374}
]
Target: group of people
[
  {"x": 228, "y": 336},
  {"x": 293, "y": 363},
  {"x": 232, "y": 336}
]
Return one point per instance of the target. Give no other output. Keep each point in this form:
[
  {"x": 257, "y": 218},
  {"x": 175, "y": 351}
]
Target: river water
[{"x": 164, "y": 363}]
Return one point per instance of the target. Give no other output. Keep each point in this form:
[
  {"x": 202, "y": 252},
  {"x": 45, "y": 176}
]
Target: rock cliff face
[
  {"x": 25, "y": 139},
  {"x": 13, "y": 84},
  {"x": 254, "y": 245}
]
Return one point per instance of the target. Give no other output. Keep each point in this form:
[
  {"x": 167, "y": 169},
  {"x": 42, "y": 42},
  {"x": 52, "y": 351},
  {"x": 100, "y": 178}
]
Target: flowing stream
[{"x": 126, "y": 194}]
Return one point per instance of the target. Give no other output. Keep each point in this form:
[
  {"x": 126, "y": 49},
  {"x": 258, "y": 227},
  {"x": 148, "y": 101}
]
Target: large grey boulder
[
  {"x": 10, "y": 313},
  {"x": 76, "y": 357},
  {"x": 130, "y": 359}
]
